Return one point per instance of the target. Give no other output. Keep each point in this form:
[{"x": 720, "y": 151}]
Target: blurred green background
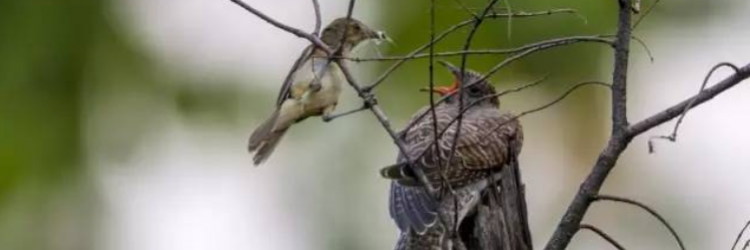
[{"x": 123, "y": 124}]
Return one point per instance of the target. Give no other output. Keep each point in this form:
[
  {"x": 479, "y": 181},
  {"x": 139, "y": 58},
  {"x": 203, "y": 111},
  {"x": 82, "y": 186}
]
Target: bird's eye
[{"x": 475, "y": 91}]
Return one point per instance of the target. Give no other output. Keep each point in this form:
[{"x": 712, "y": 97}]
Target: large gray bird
[
  {"x": 488, "y": 140},
  {"x": 312, "y": 88}
]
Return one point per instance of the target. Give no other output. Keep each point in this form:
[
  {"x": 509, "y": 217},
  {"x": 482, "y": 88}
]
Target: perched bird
[
  {"x": 487, "y": 141},
  {"x": 312, "y": 87}
]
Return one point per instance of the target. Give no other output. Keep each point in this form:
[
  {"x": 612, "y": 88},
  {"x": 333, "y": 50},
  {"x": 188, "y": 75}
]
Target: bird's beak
[
  {"x": 379, "y": 36},
  {"x": 443, "y": 91},
  {"x": 453, "y": 69},
  {"x": 450, "y": 89}
]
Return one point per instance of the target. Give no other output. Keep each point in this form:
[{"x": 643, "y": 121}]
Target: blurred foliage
[{"x": 44, "y": 49}]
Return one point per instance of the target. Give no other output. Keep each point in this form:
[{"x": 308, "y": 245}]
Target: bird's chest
[{"x": 318, "y": 71}]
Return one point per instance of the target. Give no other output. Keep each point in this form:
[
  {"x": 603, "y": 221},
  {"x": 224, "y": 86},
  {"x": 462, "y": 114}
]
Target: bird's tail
[
  {"x": 265, "y": 138},
  {"x": 401, "y": 173}
]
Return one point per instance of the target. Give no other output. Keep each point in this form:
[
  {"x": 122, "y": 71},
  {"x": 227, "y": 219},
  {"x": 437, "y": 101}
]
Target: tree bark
[{"x": 501, "y": 219}]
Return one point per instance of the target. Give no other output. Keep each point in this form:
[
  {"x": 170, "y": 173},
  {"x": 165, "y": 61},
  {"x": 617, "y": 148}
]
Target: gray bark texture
[{"x": 501, "y": 219}]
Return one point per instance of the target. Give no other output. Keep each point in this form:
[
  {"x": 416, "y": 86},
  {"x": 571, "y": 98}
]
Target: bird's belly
[{"x": 326, "y": 96}]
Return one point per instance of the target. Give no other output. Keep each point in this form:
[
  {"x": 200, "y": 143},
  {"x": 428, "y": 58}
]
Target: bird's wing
[
  {"x": 284, "y": 92},
  {"x": 487, "y": 138},
  {"x": 411, "y": 207}
]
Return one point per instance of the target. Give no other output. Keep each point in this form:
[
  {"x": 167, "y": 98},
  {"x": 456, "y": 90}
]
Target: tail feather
[
  {"x": 262, "y": 133},
  {"x": 401, "y": 173},
  {"x": 266, "y": 149},
  {"x": 264, "y": 139}
]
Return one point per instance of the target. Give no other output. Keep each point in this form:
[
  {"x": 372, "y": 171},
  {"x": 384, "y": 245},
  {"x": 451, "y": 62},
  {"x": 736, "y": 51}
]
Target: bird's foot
[{"x": 315, "y": 86}]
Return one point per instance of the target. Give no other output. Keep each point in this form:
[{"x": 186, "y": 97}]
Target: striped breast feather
[
  {"x": 484, "y": 141},
  {"x": 421, "y": 135}
]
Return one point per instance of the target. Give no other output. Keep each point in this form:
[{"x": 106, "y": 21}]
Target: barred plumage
[{"x": 488, "y": 138}]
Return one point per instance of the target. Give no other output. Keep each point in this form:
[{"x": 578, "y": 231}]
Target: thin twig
[
  {"x": 644, "y": 207},
  {"x": 338, "y": 51},
  {"x": 452, "y": 29},
  {"x": 297, "y": 32},
  {"x": 433, "y": 112},
  {"x": 466, "y": 52},
  {"x": 532, "y": 48},
  {"x": 521, "y": 88},
  {"x": 522, "y": 114},
  {"x": 524, "y": 51},
  {"x": 461, "y": 88},
  {"x": 510, "y": 19},
  {"x": 553, "y": 102},
  {"x": 371, "y": 103},
  {"x": 673, "y": 136},
  {"x": 698, "y": 99},
  {"x": 739, "y": 236},
  {"x": 645, "y": 14},
  {"x": 466, "y": 8},
  {"x": 645, "y": 47},
  {"x": 318, "y": 19},
  {"x": 349, "y": 12},
  {"x": 602, "y": 234},
  {"x": 643, "y": 44}
]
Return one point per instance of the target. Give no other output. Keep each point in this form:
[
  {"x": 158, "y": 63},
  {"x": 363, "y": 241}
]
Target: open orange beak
[{"x": 443, "y": 91}]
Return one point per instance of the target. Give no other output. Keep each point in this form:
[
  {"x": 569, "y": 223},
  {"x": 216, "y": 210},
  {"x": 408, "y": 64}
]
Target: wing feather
[{"x": 288, "y": 81}]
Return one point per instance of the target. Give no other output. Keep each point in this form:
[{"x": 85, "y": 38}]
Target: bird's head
[
  {"x": 355, "y": 31},
  {"x": 481, "y": 90}
]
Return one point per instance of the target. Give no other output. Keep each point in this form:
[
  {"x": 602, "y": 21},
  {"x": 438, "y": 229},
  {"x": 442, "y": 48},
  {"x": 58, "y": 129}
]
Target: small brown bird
[
  {"x": 312, "y": 88},
  {"x": 487, "y": 140}
]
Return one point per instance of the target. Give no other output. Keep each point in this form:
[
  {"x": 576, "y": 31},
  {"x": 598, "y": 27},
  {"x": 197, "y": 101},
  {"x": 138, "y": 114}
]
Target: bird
[
  {"x": 312, "y": 87},
  {"x": 489, "y": 139}
]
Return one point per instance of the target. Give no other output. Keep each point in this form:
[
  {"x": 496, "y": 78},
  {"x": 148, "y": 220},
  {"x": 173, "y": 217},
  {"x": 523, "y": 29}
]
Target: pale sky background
[{"x": 190, "y": 188}]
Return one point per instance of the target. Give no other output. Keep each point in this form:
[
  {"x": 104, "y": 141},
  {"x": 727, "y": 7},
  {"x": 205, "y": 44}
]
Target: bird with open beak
[
  {"x": 313, "y": 86},
  {"x": 487, "y": 141}
]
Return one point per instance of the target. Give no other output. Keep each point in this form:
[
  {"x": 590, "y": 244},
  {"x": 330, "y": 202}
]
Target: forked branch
[{"x": 602, "y": 234}]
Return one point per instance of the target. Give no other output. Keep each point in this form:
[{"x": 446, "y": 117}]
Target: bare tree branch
[
  {"x": 520, "y": 88},
  {"x": 551, "y": 43},
  {"x": 694, "y": 101},
  {"x": 648, "y": 209},
  {"x": 297, "y": 32},
  {"x": 617, "y": 142},
  {"x": 673, "y": 136},
  {"x": 622, "y": 133},
  {"x": 645, "y": 14},
  {"x": 452, "y": 29},
  {"x": 525, "y": 50},
  {"x": 602, "y": 234},
  {"x": 466, "y": 9},
  {"x": 318, "y": 19},
  {"x": 739, "y": 236},
  {"x": 536, "y": 47}
]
